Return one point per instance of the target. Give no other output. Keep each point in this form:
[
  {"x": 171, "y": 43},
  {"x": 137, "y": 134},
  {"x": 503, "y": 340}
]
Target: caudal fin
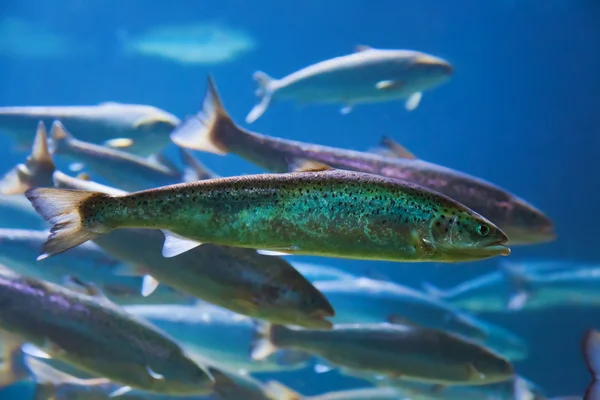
[
  {"x": 202, "y": 131},
  {"x": 591, "y": 353},
  {"x": 262, "y": 347},
  {"x": 278, "y": 391},
  {"x": 37, "y": 170},
  {"x": 265, "y": 91},
  {"x": 61, "y": 207}
]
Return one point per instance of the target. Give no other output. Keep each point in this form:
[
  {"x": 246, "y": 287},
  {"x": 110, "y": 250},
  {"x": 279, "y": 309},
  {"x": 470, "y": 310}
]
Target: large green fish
[
  {"x": 315, "y": 211},
  {"x": 214, "y": 131}
]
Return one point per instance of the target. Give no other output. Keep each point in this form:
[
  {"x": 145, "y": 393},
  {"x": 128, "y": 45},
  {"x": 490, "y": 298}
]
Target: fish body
[
  {"x": 216, "y": 335},
  {"x": 366, "y": 300},
  {"x": 366, "y": 76},
  {"x": 393, "y": 350},
  {"x": 326, "y": 212},
  {"x": 213, "y": 130},
  {"x": 97, "y": 336},
  {"x": 119, "y": 168},
  {"x": 281, "y": 392},
  {"x": 145, "y": 126}
]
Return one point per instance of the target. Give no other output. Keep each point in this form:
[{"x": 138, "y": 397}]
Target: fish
[
  {"x": 315, "y": 211},
  {"x": 12, "y": 362},
  {"x": 241, "y": 280},
  {"x": 368, "y": 75},
  {"x": 213, "y": 130},
  {"x": 382, "y": 301},
  {"x": 55, "y": 384},
  {"x": 95, "y": 335},
  {"x": 320, "y": 272},
  {"x": 190, "y": 44},
  {"x": 139, "y": 129},
  {"x": 496, "y": 291},
  {"x": 281, "y": 392},
  {"x": 119, "y": 168},
  {"x": 517, "y": 388},
  {"x": 217, "y": 336},
  {"x": 590, "y": 345},
  {"x": 232, "y": 386},
  {"x": 394, "y": 350}
]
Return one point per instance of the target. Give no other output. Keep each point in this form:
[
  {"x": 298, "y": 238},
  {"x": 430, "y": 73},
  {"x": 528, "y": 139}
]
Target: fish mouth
[
  {"x": 498, "y": 248},
  {"x": 318, "y": 319}
]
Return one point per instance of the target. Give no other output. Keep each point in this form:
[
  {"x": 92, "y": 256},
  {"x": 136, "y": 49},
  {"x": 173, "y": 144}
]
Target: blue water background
[{"x": 521, "y": 111}]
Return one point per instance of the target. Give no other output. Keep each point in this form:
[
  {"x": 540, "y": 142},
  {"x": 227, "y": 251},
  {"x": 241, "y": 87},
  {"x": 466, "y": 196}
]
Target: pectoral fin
[
  {"x": 119, "y": 143},
  {"x": 413, "y": 101},
  {"x": 175, "y": 244},
  {"x": 389, "y": 85}
]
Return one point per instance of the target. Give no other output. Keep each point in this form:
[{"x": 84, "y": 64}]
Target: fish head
[
  {"x": 525, "y": 224},
  {"x": 460, "y": 234},
  {"x": 490, "y": 368},
  {"x": 425, "y": 71}
]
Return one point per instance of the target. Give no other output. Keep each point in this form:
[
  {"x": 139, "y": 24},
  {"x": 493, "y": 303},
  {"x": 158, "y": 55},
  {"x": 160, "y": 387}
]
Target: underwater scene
[{"x": 316, "y": 200}]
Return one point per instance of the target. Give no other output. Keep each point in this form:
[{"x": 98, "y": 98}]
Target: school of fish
[{"x": 130, "y": 275}]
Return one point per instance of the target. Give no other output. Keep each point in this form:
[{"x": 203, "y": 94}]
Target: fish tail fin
[
  {"x": 432, "y": 290},
  {"x": 13, "y": 368},
  {"x": 262, "y": 346},
  {"x": 61, "y": 207},
  {"x": 276, "y": 390},
  {"x": 519, "y": 284},
  {"x": 591, "y": 353},
  {"x": 59, "y": 137},
  {"x": 194, "y": 170},
  {"x": 37, "y": 170},
  {"x": 265, "y": 92},
  {"x": 203, "y": 130}
]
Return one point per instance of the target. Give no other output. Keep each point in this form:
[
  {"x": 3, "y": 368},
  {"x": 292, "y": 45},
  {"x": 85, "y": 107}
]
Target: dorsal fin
[
  {"x": 396, "y": 148},
  {"x": 310, "y": 166},
  {"x": 39, "y": 152},
  {"x": 58, "y": 131},
  {"x": 362, "y": 47}
]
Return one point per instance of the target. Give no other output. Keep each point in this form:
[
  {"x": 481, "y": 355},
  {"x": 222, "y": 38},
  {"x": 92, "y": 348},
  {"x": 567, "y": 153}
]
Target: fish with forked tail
[{"x": 315, "y": 211}]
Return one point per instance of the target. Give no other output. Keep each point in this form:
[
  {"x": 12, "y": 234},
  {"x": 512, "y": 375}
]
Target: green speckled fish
[{"x": 316, "y": 211}]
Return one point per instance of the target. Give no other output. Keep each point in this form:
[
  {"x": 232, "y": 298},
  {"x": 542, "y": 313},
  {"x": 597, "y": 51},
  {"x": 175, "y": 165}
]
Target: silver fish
[
  {"x": 141, "y": 129},
  {"x": 92, "y": 333},
  {"x": 369, "y": 75}
]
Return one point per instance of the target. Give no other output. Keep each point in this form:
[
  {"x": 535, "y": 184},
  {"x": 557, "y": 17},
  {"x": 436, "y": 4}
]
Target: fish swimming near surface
[
  {"x": 364, "y": 300},
  {"x": 212, "y": 130},
  {"x": 369, "y": 75},
  {"x": 93, "y": 334},
  {"x": 139, "y": 129},
  {"x": 399, "y": 351},
  {"x": 315, "y": 211},
  {"x": 216, "y": 336},
  {"x": 119, "y": 168}
]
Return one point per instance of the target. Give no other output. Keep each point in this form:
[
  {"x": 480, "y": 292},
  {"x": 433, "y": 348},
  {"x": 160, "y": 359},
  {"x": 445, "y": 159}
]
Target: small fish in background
[
  {"x": 382, "y": 301},
  {"x": 95, "y": 335},
  {"x": 212, "y": 130},
  {"x": 369, "y": 75},
  {"x": 524, "y": 285},
  {"x": 193, "y": 44},
  {"x": 241, "y": 280},
  {"x": 30, "y": 41},
  {"x": 280, "y": 392},
  {"x": 517, "y": 388},
  {"x": 139, "y": 129},
  {"x": 119, "y": 168},
  {"x": 214, "y": 335},
  {"x": 393, "y": 350}
]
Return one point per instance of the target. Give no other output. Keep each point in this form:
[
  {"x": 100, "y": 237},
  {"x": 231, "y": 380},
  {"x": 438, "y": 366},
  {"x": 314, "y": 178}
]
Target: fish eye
[{"x": 483, "y": 230}]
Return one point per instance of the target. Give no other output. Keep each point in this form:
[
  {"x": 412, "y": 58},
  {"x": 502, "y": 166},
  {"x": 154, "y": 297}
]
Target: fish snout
[{"x": 432, "y": 63}]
